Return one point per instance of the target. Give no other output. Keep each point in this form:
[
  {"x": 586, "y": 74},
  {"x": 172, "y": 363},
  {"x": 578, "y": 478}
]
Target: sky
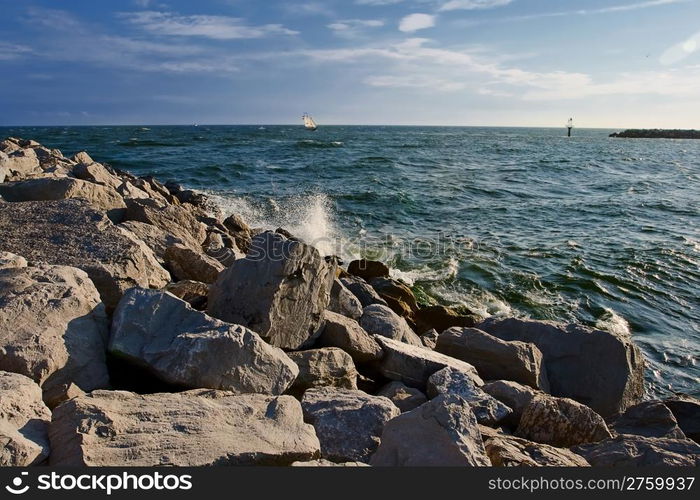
[{"x": 607, "y": 63}]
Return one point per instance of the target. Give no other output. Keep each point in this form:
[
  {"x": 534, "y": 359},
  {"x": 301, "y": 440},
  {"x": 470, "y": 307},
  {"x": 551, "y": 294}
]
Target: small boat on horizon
[{"x": 309, "y": 122}]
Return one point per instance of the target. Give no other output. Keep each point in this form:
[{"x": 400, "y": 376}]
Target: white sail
[{"x": 309, "y": 122}]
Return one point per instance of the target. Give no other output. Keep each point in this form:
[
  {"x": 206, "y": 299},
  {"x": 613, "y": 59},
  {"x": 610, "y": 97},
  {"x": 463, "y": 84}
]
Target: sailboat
[{"x": 309, "y": 122}]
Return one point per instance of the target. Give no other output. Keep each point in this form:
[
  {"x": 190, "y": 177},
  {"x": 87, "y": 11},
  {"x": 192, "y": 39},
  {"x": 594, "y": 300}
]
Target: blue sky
[{"x": 614, "y": 63}]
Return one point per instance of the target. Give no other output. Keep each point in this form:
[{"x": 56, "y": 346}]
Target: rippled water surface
[{"x": 502, "y": 221}]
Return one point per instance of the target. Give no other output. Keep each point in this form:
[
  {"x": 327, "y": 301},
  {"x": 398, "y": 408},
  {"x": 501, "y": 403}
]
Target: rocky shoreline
[
  {"x": 657, "y": 134},
  {"x": 140, "y": 327}
]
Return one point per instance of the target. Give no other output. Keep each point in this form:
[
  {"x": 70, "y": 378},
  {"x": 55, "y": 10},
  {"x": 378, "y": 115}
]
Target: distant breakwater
[{"x": 657, "y": 134}]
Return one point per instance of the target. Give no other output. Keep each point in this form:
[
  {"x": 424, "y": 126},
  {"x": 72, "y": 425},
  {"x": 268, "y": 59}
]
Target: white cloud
[
  {"x": 10, "y": 51},
  {"x": 415, "y": 81},
  {"x": 415, "y": 22},
  {"x": 473, "y": 4},
  {"x": 351, "y": 28},
  {"x": 215, "y": 27},
  {"x": 377, "y": 2}
]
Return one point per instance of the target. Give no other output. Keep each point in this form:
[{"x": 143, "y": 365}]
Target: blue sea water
[{"x": 515, "y": 221}]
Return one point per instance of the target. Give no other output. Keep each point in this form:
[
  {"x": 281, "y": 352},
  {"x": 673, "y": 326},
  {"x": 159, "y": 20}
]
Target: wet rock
[
  {"x": 561, "y": 422},
  {"x": 187, "y": 264},
  {"x": 494, "y": 358},
  {"x": 195, "y": 293},
  {"x": 404, "y": 397},
  {"x": 348, "y": 335},
  {"x": 510, "y": 451},
  {"x": 380, "y": 320},
  {"x": 71, "y": 233},
  {"x": 154, "y": 237},
  {"x": 187, "y": 348},
  {"x": 363, "y": 291},
  {"x": 650, "y": 419},
  {"x": 279, "y": 290},
  {"x": 488, "y": 410},
  {"x": 600, "y": 369},
  {"x": 515, "y": 396},
  {"x": 397, "y": 295},
  {"x": 441, "y": 318},
  {"x": 192, "y": 429},
  {"x": 348, "y": 423},
  {"x": 24, "y": 422},
  {"x": 53, "y": 328},
  {"x": 49, "y": 189},
  {"x": 172, "y": 219},
  {"x": 639, "y": 451},
  {"x": 368, "y": 269},
  {"x": 344, "y": 302},
  {"x": 11, "y": 261},
  {"x": 686, "y": 410},
  {"x": 413, "y": 365},
  {"x": 329, "y": 367},
  {"x": 442, "y": 432}
]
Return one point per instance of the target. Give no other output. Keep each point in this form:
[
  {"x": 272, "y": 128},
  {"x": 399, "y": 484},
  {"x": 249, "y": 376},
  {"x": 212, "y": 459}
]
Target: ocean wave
[{"x": 312, "y": 143}]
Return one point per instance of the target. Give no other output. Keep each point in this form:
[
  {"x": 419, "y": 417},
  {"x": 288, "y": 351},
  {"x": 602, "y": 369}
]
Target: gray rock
[
  {"x": 380, "y": 320},
  {"x": 599, "y": 369},
  {"x": 686, "y": 409},
  {"x": 344, "y": 302},
  {"x": 430, "y": 338},
  {"x": 154, "y": 237},
  {"x": 329, "y": 367},
  {"x": 71, "y": 233},
  {"x": 362, "y": 290},
  {"x": 187, "y": 264},
  {"x": 414, "y": 365},
  {"x": 442, "y": 432},
  {"x": 172, "y": 219},
  {"x": 11, "y": 261},
  {"x": 190, "y": 349},
  {"x": 404, "y": 397},
  {"x": 279, "y": 290},
  {"x": 193, "y": 429},
  {"x": 195, "y": 293},
  {"x": 51, "y": 189},
  {"x": 494, "y": 358},
  {"x": 488, "y": 410},
  {"x": 561, "y": 422},
  {"x": 639, "y": 451},
  {"x": 511, "y": 451},
  {"x": 348, "y": 423},
  {"x": 345, "y": 333},
  {"x": 515, "y": 396},
  {"x": 650, "y": 419},
  {"x": 53, "y": 328},
  {"x": 24, "y": 422}
]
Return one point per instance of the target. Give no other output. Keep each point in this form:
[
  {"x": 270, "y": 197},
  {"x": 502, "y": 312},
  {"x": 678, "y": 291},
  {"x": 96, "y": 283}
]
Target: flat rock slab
[
  {"x": 511, "y": 451},
  {"x": 442, "y": 432},
  {"x": 187, "y": 348},
  {"x": 72, "y": 233},
  {"x": 413, "y": 365},
  {"x": 53, "y": 327},
  {"x": 195, "y": 428},
  {"x": 24, "y": 422},
  {"x": 348, "y": 423},
  {"x": 639, "y": 451}
]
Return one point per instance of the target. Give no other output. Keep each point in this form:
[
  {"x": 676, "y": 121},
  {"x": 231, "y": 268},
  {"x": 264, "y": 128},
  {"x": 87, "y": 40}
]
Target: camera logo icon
[{"x": 16, "y": 487}]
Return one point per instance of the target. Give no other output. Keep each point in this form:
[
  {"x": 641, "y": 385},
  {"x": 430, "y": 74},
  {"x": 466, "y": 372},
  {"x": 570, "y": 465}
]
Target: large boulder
[
  {"x": 397, "y": 295},
  {"x": 173, "y": 219},
  {"x": 441, "y": 432},
  {"x": 362, "y": 290},
  {"x": 368, "y": 269},
  {"x": 53, "y": 328},
  {"x": 154, "y": 237},
  {"x": 187, "y": 348},
  {"x": 639, "y": 451},
  {"x": 196, "y": 428},
  {"x": 561, "y": 422},
  {"x": 343, "y": 302},
  {"x": 600, "y": 369},
  {"x": 380, "y": 320},
  {"x": 494, "y": 358},
  {"x": 511, "y": 451},
  {"x": 97, "y": 173},
  {"x": 24, "y": 422},
  {"x": 71, "y": 233},
  {"x": 650, "y": 419},
  {"x": 348, "y": 423},
  {"x": 330, "y": 367},
  {"x": 348, "y": 335},
  {"x": 61, "y": 188},
  {"x": 441, "y": 318},
  {"x": 188, "y": 264},
  {"x": 20, "y": 163},
  {"x": 487, "y": 409},
  {"x": 686, "y": 410},
  {"x": 413, "y": 365},
  {"x": 405, "y": 398},
  {"x": 279, "y": 290},
  {"x": 515, "y": 396}
]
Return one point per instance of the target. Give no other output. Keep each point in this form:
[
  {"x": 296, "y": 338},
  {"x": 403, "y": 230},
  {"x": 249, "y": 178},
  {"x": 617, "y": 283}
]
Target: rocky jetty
[
  {"x": 657, "y": 133},
  {"x": 141, "y": 327}
]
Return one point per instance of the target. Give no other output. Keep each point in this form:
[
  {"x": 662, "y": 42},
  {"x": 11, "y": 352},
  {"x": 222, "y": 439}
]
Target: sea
[{"x": 522, "y": 222}]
